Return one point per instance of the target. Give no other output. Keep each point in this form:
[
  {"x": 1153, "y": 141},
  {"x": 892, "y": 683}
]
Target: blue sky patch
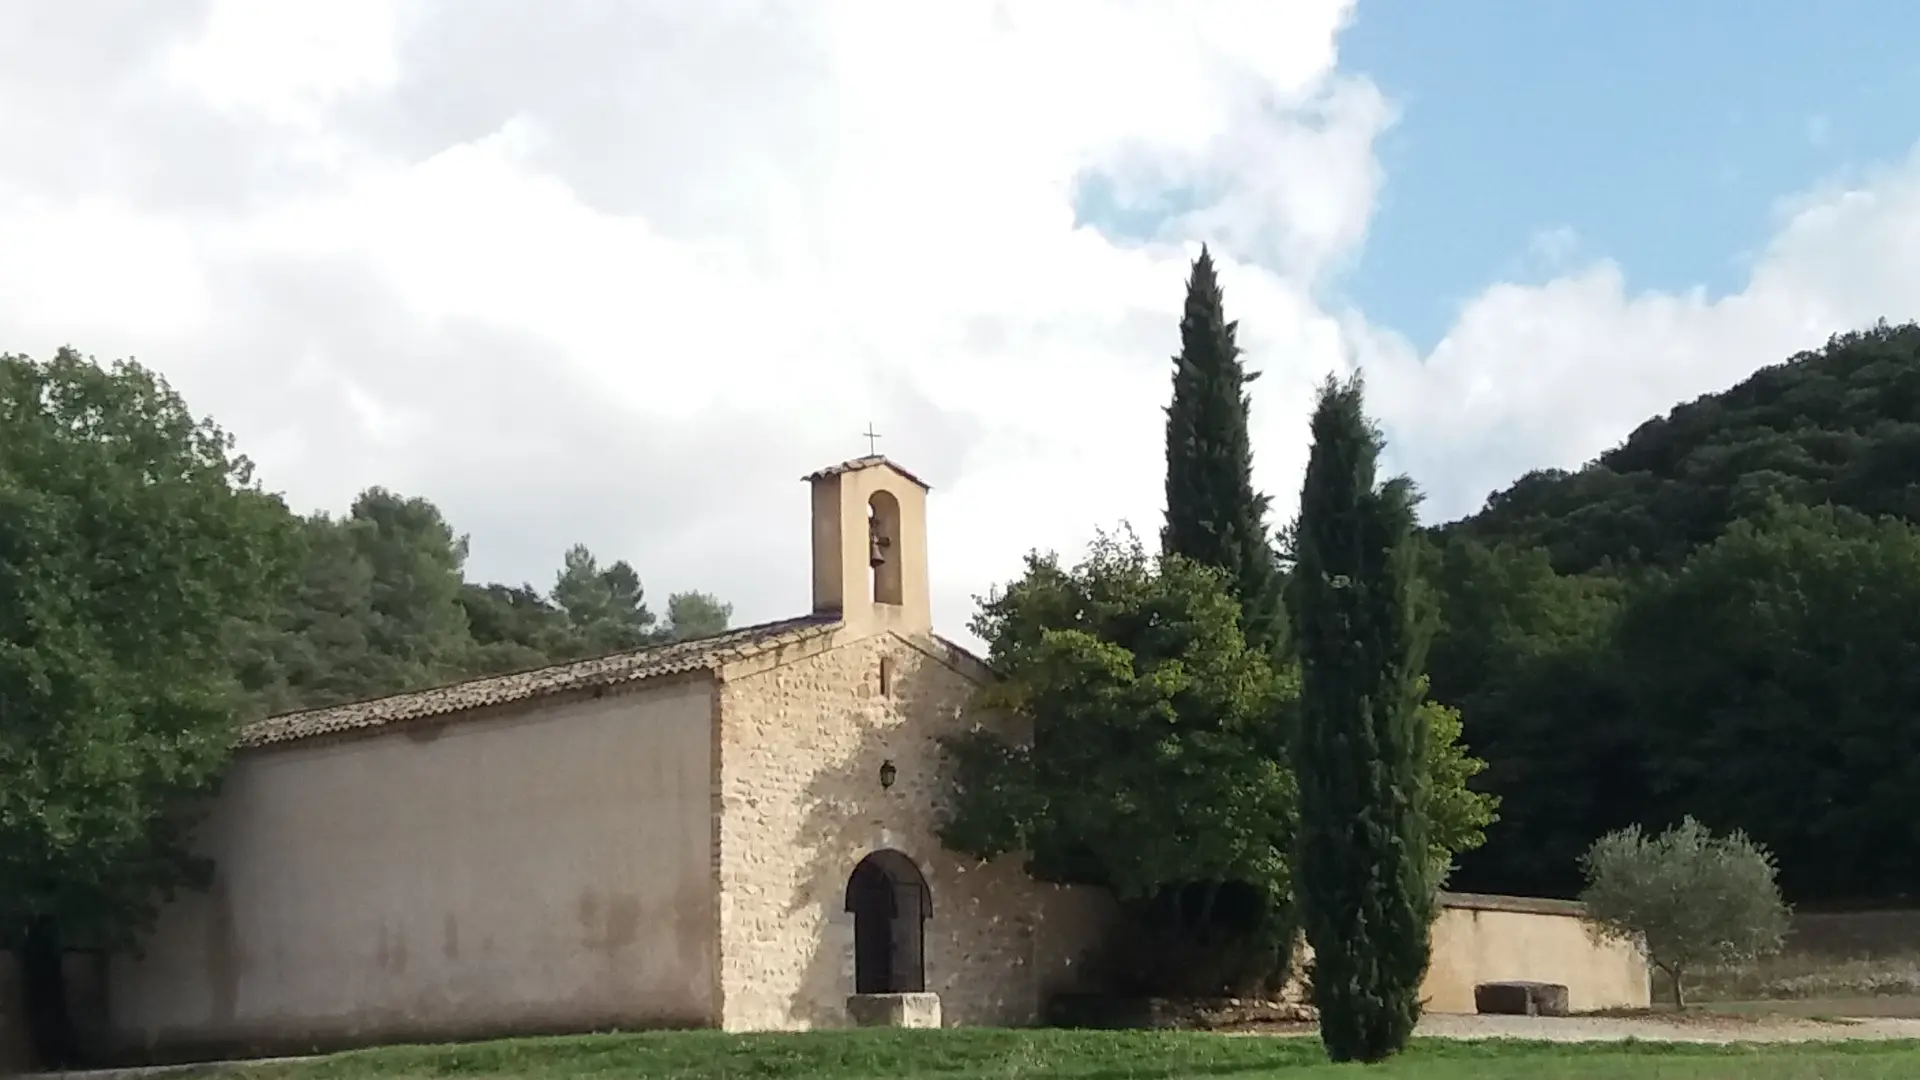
[{"x": 1535, "y": 137}]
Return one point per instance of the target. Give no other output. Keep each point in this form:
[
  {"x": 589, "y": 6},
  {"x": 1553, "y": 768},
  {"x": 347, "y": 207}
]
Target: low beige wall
[{"x": 1481, "y": 939}]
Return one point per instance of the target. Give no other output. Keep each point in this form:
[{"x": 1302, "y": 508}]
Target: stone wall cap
[{"x": 1519, "y": 905}]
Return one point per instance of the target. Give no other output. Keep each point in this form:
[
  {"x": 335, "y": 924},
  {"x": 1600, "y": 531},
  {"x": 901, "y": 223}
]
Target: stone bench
[
  {"x": 1520, "y": 999},
  {"x": 894, "y": 1010}
]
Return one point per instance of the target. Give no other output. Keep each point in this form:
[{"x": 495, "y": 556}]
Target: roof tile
[
  {"x": 698, "y": 654},
  {"x": 867, "y": 462}
]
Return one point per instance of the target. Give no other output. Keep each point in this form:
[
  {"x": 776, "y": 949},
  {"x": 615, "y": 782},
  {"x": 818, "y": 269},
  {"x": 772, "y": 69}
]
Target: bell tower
[{"x": 870, "y": 546}]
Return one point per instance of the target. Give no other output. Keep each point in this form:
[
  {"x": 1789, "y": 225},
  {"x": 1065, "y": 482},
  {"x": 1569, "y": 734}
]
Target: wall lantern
[{"x": 887, "y": 774}]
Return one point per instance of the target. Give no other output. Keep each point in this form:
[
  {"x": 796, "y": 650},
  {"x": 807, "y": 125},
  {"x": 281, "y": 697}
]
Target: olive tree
[{"x": 1691, "y": 899}]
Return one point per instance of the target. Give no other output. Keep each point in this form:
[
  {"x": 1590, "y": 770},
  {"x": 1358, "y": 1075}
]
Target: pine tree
[
  {"x": 1365, "y": 891},
  {"x": 1214, "y": 516}
]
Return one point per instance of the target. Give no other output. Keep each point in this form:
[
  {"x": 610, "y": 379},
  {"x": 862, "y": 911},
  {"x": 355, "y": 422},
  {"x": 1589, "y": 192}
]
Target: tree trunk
[
  {"x": 56, "y": 1045},
  {"x": 1679, "y": 990}
]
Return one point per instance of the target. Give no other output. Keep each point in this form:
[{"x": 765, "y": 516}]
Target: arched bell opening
[{"x": 883, "y": 548}]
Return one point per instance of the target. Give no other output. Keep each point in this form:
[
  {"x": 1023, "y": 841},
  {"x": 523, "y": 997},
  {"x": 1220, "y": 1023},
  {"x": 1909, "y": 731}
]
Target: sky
[
  {"x": 1659, "y": 135},
  {"x": 621, "y": 274}
]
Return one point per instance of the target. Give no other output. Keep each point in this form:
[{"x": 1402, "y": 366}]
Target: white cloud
[
  {"x": 621, "y": 273},
  {"x": 287, "y": 62},
  {"x": 1553, "y": 248}
]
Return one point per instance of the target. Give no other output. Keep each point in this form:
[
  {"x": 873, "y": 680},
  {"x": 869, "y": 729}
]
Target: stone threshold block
[
  {"x": 1520, "y": 999},
  {"x": 894, "y": 1010}
]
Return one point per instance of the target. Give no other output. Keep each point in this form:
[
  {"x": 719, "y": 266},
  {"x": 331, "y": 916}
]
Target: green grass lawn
[{"x": 1079, "y": 1055}]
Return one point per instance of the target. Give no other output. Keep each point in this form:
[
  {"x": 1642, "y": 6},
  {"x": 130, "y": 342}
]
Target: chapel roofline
[
  {"x": 711, "y": 654},
  {"x": 625, "y": 668},
  {"x": 870, "y": 461}
]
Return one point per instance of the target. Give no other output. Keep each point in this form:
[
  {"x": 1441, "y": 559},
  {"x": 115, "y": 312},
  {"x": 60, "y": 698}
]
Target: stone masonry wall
[{"x": 802, "y": 744}]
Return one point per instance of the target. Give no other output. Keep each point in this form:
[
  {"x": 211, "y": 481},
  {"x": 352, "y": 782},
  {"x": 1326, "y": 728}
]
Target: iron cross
[{"x": 873, "y": 439}]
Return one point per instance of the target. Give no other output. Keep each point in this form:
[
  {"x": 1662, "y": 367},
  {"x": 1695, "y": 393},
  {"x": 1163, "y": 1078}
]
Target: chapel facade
[{"x": 737, "y": 832}]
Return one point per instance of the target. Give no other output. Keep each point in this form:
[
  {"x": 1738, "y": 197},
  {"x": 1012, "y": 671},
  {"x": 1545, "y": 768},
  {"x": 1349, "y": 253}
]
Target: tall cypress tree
[
  {"x": 1365, "y": 890},
  {"x": 1214, "y": 516}
]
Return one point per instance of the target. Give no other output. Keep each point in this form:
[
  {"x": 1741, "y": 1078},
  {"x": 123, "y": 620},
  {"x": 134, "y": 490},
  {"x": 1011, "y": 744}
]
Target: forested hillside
[
  {"x": 1720, "y": 617},
  {"x": 1839, "y": 425}
]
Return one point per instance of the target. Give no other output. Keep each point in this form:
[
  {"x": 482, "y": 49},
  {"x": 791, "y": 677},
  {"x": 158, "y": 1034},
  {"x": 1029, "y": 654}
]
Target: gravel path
[
  {"x": 1663, "y": 1029},
  {"x": 1695, "y": 1029}
]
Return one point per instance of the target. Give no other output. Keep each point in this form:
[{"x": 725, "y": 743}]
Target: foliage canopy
[
  {"x": 1713, "y": 614},
  {"x": 1134, "y": 740},
  {"x": 132, "y": 538},
  {"x": 1153, "y": 760}
]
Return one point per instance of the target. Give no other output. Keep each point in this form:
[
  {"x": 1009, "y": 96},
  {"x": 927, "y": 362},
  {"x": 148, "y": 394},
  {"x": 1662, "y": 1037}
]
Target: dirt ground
[
  {"x": 1645, "y": 1027},
  {"x": 1651, "y": 1027}
]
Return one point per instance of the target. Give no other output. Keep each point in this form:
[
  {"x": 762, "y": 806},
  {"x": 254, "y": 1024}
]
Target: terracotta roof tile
[
  {"x": 699, "y": 654},
  {"x": 856, "y": 464}
]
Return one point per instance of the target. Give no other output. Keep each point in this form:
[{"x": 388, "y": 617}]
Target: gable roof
[
  {"x": 967, "y": 655},
  {"x": 673, "y": 658},
  {"x": 868, "y": 462}
]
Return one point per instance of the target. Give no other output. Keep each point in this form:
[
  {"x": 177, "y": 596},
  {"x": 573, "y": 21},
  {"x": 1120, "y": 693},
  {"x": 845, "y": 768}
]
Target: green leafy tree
[
  {"x": 696, "y": 615},
  {"x": 1457, "y": 815},
  {"x": 314, "y": 648},
  {"x": 381, "y": 605},
  {"x": 1693, "y": 900},
  {"x": 1214, "y": 515},
  {"x": 132, "y": 538},
  {"x": 1785, "y": 657},
  {"x": 1637, "y": 638},
  {"x": 1365, "y": 866},
  {"x": 1502, "y": 606},
  {"x": 605, "y": 605},
  {"x": 1142, "y": 755},
  {"x": 1525, "y": 654},
  {"x": 1153, "y": 767},
  {"x": 415, "y": 620},
  {"x": 514, "y": 628},
  {"x": 377, "y": 608}
]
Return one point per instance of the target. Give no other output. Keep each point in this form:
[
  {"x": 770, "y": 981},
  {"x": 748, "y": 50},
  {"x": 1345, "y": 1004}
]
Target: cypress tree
[
  {"x": 1365, "y": 890},
  {"x": 1214, "y": 516}
]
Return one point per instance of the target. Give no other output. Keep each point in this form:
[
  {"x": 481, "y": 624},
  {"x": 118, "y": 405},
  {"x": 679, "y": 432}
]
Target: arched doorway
[{"x": 891, "y": 904}]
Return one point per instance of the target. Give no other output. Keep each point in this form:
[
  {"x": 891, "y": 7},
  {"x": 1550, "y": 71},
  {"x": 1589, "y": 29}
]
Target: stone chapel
[{"x": 735, "y": 832}]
